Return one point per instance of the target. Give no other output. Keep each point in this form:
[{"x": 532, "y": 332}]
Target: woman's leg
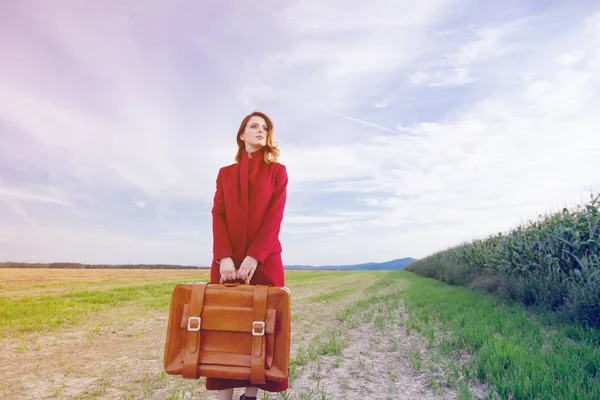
[
  {"x": 251, "y": 392},
  {"x": 225, "y": 394}
]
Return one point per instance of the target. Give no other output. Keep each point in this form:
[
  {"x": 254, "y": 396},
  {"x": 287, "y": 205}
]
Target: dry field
[{"x": 99, "y": 334}]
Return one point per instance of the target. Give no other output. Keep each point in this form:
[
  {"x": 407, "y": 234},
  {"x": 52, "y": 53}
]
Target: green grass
[
  {"x": 49, "y": 311},
  {"x": 323, "y": 343},
  {"x": 335, "y": 295},
  {"x": 522, "y": 356},
  {"x": 310, "y": 276},
  {"x": 44, "y": 312},
  {"x": 516, "y": 353},
  {"x": 71, "y": 286}
]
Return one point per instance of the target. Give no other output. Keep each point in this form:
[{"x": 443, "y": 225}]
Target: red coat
[{"x": 247, "y": 213}]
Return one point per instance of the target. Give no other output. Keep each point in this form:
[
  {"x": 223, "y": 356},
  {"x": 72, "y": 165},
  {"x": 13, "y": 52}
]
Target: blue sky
[{"x": 406, "y": 128}]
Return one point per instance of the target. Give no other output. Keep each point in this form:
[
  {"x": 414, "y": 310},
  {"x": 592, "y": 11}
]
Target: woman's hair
[{"x": 271, "y": 151}]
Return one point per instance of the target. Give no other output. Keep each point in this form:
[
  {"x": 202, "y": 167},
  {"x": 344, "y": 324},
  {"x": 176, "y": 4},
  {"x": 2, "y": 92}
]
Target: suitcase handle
[{"x": 234, "y": 282}]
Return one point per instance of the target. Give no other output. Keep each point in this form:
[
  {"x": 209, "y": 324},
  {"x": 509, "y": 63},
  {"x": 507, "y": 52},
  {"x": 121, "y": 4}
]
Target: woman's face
[{"x": 255, "y": 134}]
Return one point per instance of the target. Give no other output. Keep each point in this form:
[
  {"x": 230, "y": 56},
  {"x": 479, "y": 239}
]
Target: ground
[{"x": 116, "y": 352}]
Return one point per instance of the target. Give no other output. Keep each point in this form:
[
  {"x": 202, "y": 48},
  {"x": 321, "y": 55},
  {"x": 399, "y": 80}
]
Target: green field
[{"x": 363, "y": 334}]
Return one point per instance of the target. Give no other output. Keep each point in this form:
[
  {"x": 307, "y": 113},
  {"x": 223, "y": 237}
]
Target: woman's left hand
[{"x": 247, "y": 268}]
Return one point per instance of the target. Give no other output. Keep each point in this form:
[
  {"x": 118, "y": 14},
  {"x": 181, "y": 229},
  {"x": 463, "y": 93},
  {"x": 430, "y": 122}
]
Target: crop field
[{"x": 99, "y": 334}]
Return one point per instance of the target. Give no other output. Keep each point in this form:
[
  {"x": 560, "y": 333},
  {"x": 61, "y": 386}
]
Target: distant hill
[{"x": 399, "y": 263}]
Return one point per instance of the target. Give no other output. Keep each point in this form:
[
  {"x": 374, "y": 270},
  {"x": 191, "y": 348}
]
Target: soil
[{"x": 374, "y": 365}]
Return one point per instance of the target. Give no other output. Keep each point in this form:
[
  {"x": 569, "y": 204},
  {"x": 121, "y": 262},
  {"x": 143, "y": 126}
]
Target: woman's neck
[{"x": 252, "y": 148}]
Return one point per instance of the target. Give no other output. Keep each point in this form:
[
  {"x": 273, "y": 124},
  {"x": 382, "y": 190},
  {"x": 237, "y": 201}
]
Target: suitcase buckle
[
  {"x": 260, "y": 324},
  {"x": 189, "y": 327}
]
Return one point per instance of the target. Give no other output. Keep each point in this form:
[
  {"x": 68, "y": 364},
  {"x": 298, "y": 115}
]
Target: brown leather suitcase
[{"x": 229, "y": 330}]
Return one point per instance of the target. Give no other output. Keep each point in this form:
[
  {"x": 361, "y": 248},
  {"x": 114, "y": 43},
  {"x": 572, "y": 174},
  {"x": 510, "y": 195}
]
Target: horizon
[
  {"x": 208, "y": 266},
  {"x": 412, "y": 126}
]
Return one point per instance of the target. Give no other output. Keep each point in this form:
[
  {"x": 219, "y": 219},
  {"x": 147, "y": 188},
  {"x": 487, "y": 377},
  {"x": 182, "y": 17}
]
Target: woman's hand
[
  {"x": 227, "y": 269},
  {"x": 247, "y": 268}
]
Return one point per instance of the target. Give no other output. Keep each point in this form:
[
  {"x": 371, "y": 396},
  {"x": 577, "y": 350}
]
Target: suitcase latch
[
  {"x": 261, "y": 325},
  {"x": 189, "y": 327}
]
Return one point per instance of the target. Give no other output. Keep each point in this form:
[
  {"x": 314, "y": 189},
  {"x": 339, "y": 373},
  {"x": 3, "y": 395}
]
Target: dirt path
[{"x": 375, "y": 364}]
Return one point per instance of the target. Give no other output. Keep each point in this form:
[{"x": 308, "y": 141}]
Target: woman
[{"x": 247, "y": 213}]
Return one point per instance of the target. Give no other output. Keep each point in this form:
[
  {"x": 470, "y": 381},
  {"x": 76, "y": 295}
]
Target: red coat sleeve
[
  {"x": 267, "y": 239},
  {"x": 221, "y": 243}
]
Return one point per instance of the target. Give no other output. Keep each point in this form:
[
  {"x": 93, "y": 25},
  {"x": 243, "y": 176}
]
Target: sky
[{"x": 406, "y": 127}]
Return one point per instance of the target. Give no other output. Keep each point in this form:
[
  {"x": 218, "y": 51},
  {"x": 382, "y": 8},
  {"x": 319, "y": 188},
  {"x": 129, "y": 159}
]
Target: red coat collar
[{"x": 255, "y": 155}]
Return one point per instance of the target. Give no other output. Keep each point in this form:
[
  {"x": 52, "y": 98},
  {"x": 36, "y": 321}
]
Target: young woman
[{"x": 247, "y": 213}]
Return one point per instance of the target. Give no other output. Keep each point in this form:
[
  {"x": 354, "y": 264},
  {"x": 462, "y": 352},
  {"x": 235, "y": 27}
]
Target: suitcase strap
[
  {"x": 257, "y": 366},
  {"x": 192, "y": 349}
]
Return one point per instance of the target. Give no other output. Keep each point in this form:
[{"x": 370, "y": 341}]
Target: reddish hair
[{"x": 271, "y": 151}]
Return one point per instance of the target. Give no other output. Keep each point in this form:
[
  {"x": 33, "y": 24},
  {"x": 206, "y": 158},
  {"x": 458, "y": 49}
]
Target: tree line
[{"x": 12, "y": 264}]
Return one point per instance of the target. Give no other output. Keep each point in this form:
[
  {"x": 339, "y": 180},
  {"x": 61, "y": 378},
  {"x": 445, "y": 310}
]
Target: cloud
[
  {"x": 47, "y": 195},
  {"x": 19, "y": 209},
  {"x": 116, "y": 110},
  {"x": 459, "y": 66},
  {"x": 404, "y": 127},
  {"x": 510, "y": 156},
  {"x": 443, "y": 77},
  {"x": 89, "y": 245},
  {"x": 358, "y": 120},
  {"x": 489, "y": 43},
  {"x": 343, "y": 51}
]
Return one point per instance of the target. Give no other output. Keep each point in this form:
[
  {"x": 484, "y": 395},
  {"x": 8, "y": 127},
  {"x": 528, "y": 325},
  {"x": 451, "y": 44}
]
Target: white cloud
[
  {"x": 456, "y": 67},
  {"x": 347, "y": 49},
  {"x": 41, "y": 194},
  {"x": 571, "y": 57},
  {"x": 507, "y": 158},
  {"x": 489, "y": 43},
  {"x": 133, "y": 132},
  {"x": 358, "y": 120},
  {"x": 17, "y": 208},
  {"x": 50, "y": 244},
  {"x": 133, "y": 151},
  {"x": 309, "y": 219},
  {"x": 442, "y": 77},
  {"x": 404, "y": 128}
]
